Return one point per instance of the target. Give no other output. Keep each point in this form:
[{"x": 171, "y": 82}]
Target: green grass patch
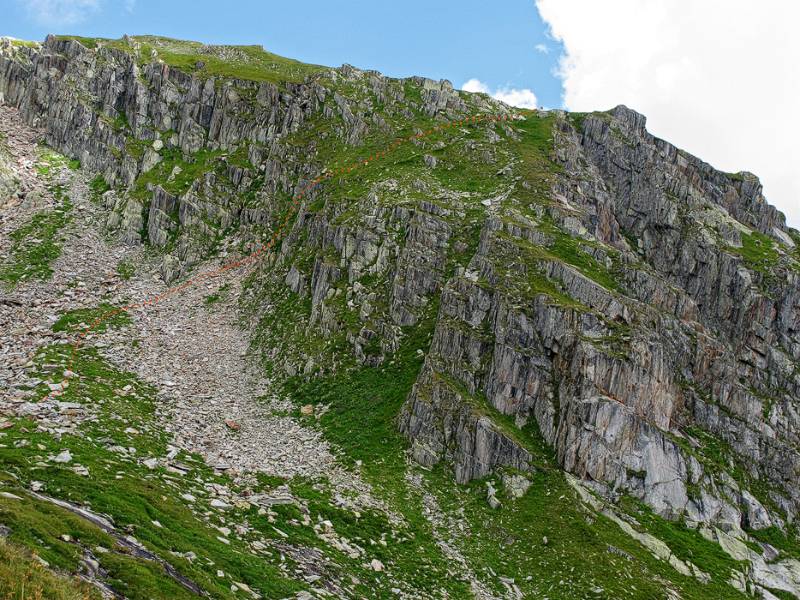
[
  {"x": 219, "y": 295},
  {"x": 88, "y": 42},
  {"x": 741, "y": 176},
  {"x": 360, "y": 421},
  {"x": 536, "y": 168},
  {"x": 365, "y": 402},
  {"x": 585, "y": 555},
  {"x": 568, "y": 249},
  {"x": 239, "y": 62},
  {"x": 577, "y": 119},
  {"x": 51, "y": 162},
  {"x": 36, "y": 244},
  {"x": 97, "y": 187},
  {"x": 758, "y": 252},
  {"x": 785, "y": 541},
  {"x": 24, "y": 43},
  {"x": 176, "y": 172},
  {"x": 526, "y": 277},
  {"x": 98, "y": 319},
  {"x": 22, "y": 576},
  {"x": 120, "y": 122},
  {"x": 687, "y": 544},
  {"x": 126, "y": 269}
]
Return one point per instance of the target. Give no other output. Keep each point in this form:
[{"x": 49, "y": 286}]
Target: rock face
[
  {"x": 589, "y": 288},
  {"x": 121, "y": 119},
  {"x": 692, "y": 351}
]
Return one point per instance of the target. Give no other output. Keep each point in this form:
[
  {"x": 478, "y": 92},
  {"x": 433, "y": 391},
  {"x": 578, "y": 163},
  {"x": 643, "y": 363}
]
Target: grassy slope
[
  {"x": 36, "y": 245},
  {"x": 117, "y": 485},
  {"x": 137, "y": 498},
  {"x": 586, "y": 555},
  {"x": 239, "y": 62},
  {"x": 22, "y": 576}
]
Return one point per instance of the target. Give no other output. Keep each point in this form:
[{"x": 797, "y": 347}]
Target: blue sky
[{"x": 456, "y": 40}]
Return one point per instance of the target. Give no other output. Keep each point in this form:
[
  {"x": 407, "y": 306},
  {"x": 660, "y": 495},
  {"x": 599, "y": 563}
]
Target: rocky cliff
[
  {"x": 679, "y": 322},
  {"x": 580, "y": 294}
]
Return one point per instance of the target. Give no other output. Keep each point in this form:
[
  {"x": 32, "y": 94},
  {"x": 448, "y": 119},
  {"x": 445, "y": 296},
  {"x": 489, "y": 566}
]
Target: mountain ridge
[{"x": 558, "y": 291}]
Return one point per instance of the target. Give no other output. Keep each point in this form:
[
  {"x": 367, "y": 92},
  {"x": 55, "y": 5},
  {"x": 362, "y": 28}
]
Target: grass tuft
[
  {"x": 98, "y": 319},
  {"x": 24, "y": 577}
]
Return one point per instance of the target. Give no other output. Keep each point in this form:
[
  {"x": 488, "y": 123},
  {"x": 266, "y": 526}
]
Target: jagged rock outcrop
[
  {"x": 698, "y": 338},
  {"x": 121, "y": 118}
]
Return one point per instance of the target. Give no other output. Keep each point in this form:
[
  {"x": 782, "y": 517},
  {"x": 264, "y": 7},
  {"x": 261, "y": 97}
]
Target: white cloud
[
  {"x": 719, "y": 78},
  {"x": 60, "y": 13},
  {"x": 130, "y": 5},
  {"x": 542, "y": 48},
  {"x": 475, "y": 85},
  {"x": 524, "y": 98}
]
